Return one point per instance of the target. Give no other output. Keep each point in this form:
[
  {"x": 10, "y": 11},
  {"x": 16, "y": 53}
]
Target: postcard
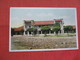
[{"x": 43, "y": 29}]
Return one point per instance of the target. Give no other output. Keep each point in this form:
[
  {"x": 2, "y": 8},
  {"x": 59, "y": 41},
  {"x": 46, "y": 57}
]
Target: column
[
  {"x": 62, "y": 27},
  {"x": 41, "y": 32},
  {"x": 49, "y": 32},
  {"x": 37, "y": 32},
  {"x": 54, "y": 33},
  {"x": 58, "y": 32},
  {"x": 24, "y": 33},
  {"x": 28, "y": 33},
  {"x": 62, "y": 31},
  {"x": 24, "y": 28},
  {"x": 31, "y": 33}
]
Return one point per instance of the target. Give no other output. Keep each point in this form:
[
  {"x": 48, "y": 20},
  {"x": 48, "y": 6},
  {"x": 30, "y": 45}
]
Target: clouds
[
  {"x": 28, "y": 15},
  {"x": 18, "y": 15},
  {"x": 64, "y": 17},
  {"x": 45, "y": 15},
  {"x": 16, "y": 22},
  {"x": 39, "y": 15}
]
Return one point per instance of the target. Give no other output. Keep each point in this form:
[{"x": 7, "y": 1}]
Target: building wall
[{"x": 38, "y": 27}]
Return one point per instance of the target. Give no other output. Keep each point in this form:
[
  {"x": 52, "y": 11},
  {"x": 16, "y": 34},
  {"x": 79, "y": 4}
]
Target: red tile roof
[
  {"x": 27, "y": 21},
  {"x": 74, "y": 27},
  {"x": 58, "y": 19},
  {"x": 19, "y": 28},
  {"x": 43, "y": 22}
]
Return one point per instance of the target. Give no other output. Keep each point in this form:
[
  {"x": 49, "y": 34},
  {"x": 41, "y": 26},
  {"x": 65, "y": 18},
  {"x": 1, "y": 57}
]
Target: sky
[{"x": 19, "y": 14}]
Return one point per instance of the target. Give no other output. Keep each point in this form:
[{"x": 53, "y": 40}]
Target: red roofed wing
[
  {"x": 74, "y": 27},
  {"x": 58, "y": 19},
  {"x": 44, "y": 22},
  {"x": 19, "y": 28},
  {"x": 27, "y": 21}
]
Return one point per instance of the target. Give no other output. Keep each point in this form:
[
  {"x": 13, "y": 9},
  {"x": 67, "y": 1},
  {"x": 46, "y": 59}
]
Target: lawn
[
  {"x": 26, "y": 42},
  {"x": 59, "y": 35},
  {"x": 65, "y": 35}
]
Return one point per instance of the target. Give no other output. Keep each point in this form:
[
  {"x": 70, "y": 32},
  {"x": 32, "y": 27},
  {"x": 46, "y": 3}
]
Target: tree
[
  {"x": 74, "y": 30},
  {"x": 45, "y": 29},
  {"x": 33, "y": 30},
  {"x": 21, "y": 32},
  {"x": 56, "y": 29},
  {"x": 12, "y": 32},
  {"x": 68, "y": 29},
  {"x": 57, "y": 24}
]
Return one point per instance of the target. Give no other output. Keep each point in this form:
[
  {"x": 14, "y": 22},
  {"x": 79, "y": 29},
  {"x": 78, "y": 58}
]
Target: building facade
[{"x": 39, "y": 24}]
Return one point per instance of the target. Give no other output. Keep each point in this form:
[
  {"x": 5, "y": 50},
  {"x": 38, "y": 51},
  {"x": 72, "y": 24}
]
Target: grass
[
  {"x": 59, "y": 35},
  {"x": 21, "y": 43},
  {"x": 70, "y": 35},
  {"x": 40, "y": 42}
]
